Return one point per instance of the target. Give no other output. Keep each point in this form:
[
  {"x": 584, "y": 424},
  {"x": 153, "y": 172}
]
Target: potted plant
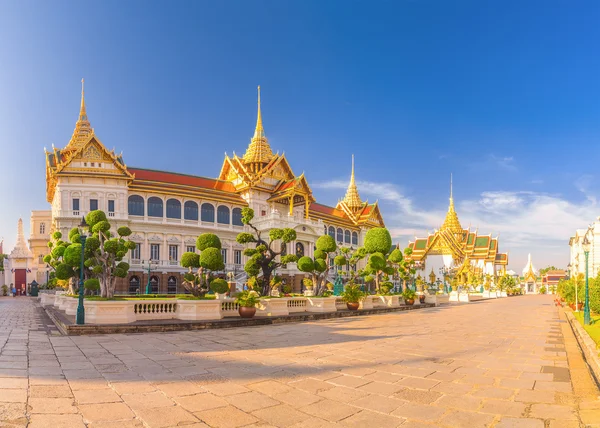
[
  {"x": 308, "y": 284},
  {"x": 352, "y": 295},
  {"x": 409, "y": 296},
  {"x": 247, "y": 301},
  {"x": 287, "y": 290},
  {"x": 5, "y": 290},
  {"x": 220, "y": 287}
]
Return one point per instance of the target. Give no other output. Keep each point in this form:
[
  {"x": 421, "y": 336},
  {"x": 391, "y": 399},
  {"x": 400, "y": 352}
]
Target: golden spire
[
  {"x": 352, "y": 198},
  {"x": 259, "y": 151},
  {"x": 83, "y": 130},
  {"x": 451, "y": 222}
]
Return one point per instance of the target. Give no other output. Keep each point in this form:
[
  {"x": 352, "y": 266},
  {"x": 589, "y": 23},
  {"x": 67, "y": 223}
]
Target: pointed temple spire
[
  {"x": 20, "y": 249},
  {"x": 451, "y": 221},
  {"x": 352, "y": 198},
  {"x": 83, "y": 130},
  {"x": 259, "y": 152}
]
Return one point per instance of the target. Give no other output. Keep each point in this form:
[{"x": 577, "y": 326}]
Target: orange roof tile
[
  {"x": 324, "y": 209},
  {"x": 181, "y": 179}
]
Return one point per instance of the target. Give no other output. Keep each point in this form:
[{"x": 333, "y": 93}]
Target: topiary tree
[
  {"x": 263, "y": 258},
  {"x": 104, "y": 253},
  {"x": 65, "y": 259},
  {"x": 198, "y": 278},
  {"x": 317, "y": 267},
  {"x": 378, "y": 243}
]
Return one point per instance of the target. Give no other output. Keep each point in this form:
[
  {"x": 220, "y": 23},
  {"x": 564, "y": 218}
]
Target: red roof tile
[
  {"x": 324, "y": 209},
  {"x": 181, "y": 179}
]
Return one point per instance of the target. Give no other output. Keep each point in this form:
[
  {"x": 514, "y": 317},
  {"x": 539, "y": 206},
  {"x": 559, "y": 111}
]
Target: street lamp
[
  {"x": 80, "y": 308},
  {"x": 47, "y": 275},
  {"x": 148, "y": 285},
  {"x": 586, "y": 307}
]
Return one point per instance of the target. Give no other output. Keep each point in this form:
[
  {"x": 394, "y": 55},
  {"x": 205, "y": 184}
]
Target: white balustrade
[
  {"x": 229, "y": 308},
  {"x": 296, "y": 304}
]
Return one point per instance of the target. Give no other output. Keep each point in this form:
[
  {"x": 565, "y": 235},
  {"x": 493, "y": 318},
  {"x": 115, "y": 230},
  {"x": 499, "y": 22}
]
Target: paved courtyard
[{"x": 505, "y": 363}]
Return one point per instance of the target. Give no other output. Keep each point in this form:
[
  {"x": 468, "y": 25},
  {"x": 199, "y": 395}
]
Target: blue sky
[{"x": 504, "y": 95}]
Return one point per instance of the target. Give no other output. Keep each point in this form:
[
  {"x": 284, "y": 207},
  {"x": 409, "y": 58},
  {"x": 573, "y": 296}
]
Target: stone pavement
[{"x": 500, "y": 363}]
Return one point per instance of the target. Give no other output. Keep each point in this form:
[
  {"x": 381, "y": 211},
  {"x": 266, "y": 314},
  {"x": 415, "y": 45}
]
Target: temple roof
[
  {"x": 352, "y": 198},
  {"x": 83, "y": 129},
  {"x": 259, "y": 150},
  {"x": 451, "y": 221}
]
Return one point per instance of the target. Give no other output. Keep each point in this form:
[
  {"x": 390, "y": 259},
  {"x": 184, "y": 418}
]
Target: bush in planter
[
  {"x": 219, "y": 286},
  {"x": 542, "y": 290},
  {"x": 408, "y": 294},
  {"x": 287, "y": 289},
  {"x": 352, "y": 294},
  {"x": 385, "y": 288},
  {"x": 247, "y": 298},
  {"x": 198, "y": 277},
  {"x": 92, "y": 285},
  {"x": 5, "y": 290}
]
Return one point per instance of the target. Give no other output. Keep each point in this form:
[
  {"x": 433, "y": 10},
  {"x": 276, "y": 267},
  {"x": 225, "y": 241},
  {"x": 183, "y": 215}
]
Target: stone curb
[
  {"x": 67, "y": 327},
  {"x": 587, "y": 345}
]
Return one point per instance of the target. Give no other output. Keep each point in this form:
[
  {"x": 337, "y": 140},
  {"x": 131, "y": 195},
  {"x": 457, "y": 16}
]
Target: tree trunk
[
  {"x": 73, "y": 282},
  {"x": 266, "y": 290}
]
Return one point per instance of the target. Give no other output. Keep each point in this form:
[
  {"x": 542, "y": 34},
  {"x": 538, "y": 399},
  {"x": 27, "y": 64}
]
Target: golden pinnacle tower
[
  {"x": 451, "y": 221},
  {"x": 259, "y": 152},
  {"x": 83, "y": 129},
  {"x": 352, "y": 198}
]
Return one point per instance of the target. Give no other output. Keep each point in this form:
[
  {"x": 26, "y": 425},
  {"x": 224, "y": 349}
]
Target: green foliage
[
  {"x": 247, "y": 215},
  {"x": 72, "y": 255},
  {"x": 102, "y": 226},
  {"x": 208, "y": 240},
  {"x": 56, "y": 235},
  {"x": 546, "y": 269},
  {"x": 289, "y": 258},
  {"x": 95, "y": 217},
  {"x": 92, "y": 244},
  {"x": 287, "y": 288},
  {"x": 306, "y": 264},
  {"x": 47, "y": 258},
  {"x": 74, "y": 231},
  {"x": 386, "y": 287},
  {"x": 64, "y": 271},
  {"x": 189, "y": 259},
  {"x": 395, "y": 256},
  {"x": 245, "y": 238},
  {"x": 92, "y": 284},
  {"x": 219, "y": 286},
  {"x": 319, "y": 254},
  {"x": 409, "y": 294},
  {"x": 377, "y": 261},
  {"x": 124, "y": 231},
  {"x": 212, "y": 259},
  {"x": 252, "y": 267},
  {"x": 275, "y": 234},
  {"x": 378, "y": 240},
  {"x": 288, "y": 236},
  {"x": 308, "y": 283},
  {"x": 320, "y": 265},
  {"x": 340, "y": 261},
  {"x": 352, "y": 294},
  {"x": 247, "y": 298},
  {"x": 58, "y": 252},
  {"x": 542, "y": 290},
  {"x": 326, "y": 244}
]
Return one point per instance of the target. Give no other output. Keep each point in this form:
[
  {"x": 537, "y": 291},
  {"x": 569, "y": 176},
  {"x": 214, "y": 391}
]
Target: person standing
[{"x": 14, "y": 291}]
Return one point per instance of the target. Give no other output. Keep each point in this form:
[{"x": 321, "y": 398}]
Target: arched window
[
  {"x": 190, "y": 211},
  {"x": 340, "y": 235},
  {"x": 354, "y": 238},
  {"x": 135, "y": 205},
  {"x": 223, "y": 215},
  {"x": 134, "y": 284},
  {"x": 173, "y": 208},
  {"x": 208, "y": 213},
  {"x": 154, "y": 284},
  {"x": 299, "y": 250},
  {"x": 332, "y": 231},
  {"x": 236, "y": 217},
  {"x": 347, "y": 236},
  {"x": 155, "y": 207},
  {"x": 42, "y": 228},
  {"x": 172, "y": 285}
]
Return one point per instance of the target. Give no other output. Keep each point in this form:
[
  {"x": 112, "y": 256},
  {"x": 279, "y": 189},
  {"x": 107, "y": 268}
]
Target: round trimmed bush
[
  {"x": 92, "y": 284},
  {"x": 326, "y": 244},
  {"x": 377, "y": 261},
  {"x": 306, "y": 264},
  {"x": 211, "y": 258},
  {"x": 340, "y": 261},
  {"x": 190, "y": 260},
  {"x": 378, "y": 240},
  {"x": 208, "y": 240},
  {"x": 219, "y": 286},
  {"x": 320, "y": 265}
]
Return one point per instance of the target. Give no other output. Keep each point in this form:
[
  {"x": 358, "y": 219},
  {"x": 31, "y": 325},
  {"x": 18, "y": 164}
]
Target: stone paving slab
[{"x": 499, "y": 363}]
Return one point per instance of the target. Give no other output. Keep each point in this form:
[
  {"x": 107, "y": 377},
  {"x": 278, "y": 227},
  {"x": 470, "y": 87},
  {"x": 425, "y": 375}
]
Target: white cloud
[{"x": 527, "y": 221}]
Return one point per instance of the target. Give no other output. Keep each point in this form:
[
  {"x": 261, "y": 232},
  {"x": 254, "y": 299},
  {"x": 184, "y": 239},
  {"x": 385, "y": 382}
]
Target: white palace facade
[{"x": 167, "y": 211}]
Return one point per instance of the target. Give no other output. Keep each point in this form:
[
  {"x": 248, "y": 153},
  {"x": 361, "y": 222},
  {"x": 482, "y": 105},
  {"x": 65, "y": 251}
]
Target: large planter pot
[
  {"x": 323, "y": 304},
  {"x": 502, "y": 294},
  {"x": 47, "y": 299},
  {"x": 442, "y": 299},
  {"x": 390, "y": 301},
  {"x": 366, "y": 303},
  {"x": 352, "y": 306},
  {"x": 490, "y": 294},
  {"x": 431, "y": 298},
  {"x": 247, "y": 312},
  {"x": 580, "y": 305},
  {"x": 272, "y": 307},
  {"x": 421, "y": 298},
  {"x": 193, "y": 310},
  {"x": 409, "y": 302},
  {"x": 453, "y": 296},
  {"x": 109, "y": 312},
  {"x": 70, "y": 305}
]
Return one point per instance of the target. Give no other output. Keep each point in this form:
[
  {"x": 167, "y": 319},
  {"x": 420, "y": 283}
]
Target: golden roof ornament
[
  {"x": 451, "y": 221},
  {"x": 352, "y": 198},
  {"x": 259, "y": 151},
  {"x": 83, "y": 130}
]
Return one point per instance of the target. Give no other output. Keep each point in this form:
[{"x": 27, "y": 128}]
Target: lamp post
[
  {"x": 80, "y": 308},
  {"x": 47, "y": 275},
  {"x": 586, "y": 306},
  {"x": 148, "y": 285}
]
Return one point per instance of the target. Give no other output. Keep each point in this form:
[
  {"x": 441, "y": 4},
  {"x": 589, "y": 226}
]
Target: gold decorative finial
[
  {"x": 352, "y": 198},
  {"x": 451, "y": 221},
  {"x": 258, "y": 152},
  {"x": 83, "y": 130}
]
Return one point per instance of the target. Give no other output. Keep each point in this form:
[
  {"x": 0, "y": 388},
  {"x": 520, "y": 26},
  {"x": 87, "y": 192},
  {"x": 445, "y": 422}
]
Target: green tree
[
  {"x": 2, "y": 257},
  {"x": 263, "y": 258},
  {"x": 378, "y": 243},
  {"x": 546, "y": 269},
  {"x": 104, "y": 253},
  {"x": 64, "y": 258},
  {"x": 200, "y": 267},
  {"x": 325, "y": 252}
]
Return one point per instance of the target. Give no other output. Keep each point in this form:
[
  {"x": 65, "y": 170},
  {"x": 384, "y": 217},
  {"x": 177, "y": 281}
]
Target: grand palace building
[{"x": 167, "y": 211}]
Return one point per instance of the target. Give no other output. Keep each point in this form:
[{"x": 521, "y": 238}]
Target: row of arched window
[
  {"x": 136, "y": 206},
  {"x": 341, "y": 235}
]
